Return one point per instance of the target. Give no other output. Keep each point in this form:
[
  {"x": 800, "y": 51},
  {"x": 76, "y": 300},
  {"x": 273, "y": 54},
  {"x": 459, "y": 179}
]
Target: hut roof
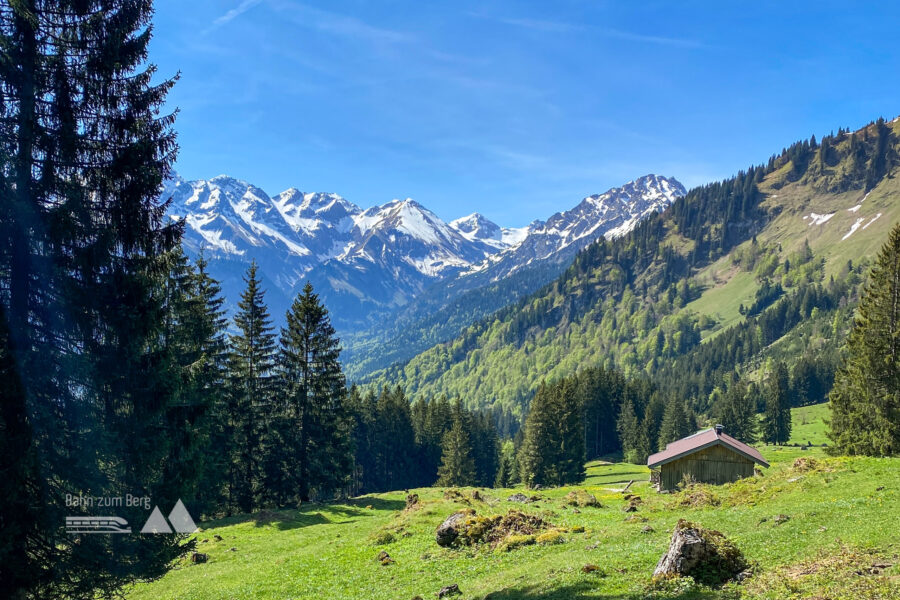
[{"x": 700, "y": 440}]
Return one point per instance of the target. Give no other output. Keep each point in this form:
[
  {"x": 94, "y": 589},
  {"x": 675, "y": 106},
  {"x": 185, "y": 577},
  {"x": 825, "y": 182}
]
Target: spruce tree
[
  {"x": 395, "y": 444},
  {"x": 206, "y": 370},
  {"x": 194, "y": 345},
  {"x": 538, "y": 454},
  {"x": 629, "y": 429},
  {"x": 251, "y": 392},
  {"x": 363, "y": 413},
  {"x": 570, "y": 434},
  {"x": 553, "y": 451},
  {"x": 777, "y": 418},
  {"x": 318, "y": 452},
  {"x": 83, "y": 247},
  {"x": 457, "y": 465},
  {"x": 507, "y": 474},
  {"x": 865, "y": 400},
  {"x": 485, "y": 447},
  {"x": 675, "y": 423},
  {"x": 737, "y": 414}
]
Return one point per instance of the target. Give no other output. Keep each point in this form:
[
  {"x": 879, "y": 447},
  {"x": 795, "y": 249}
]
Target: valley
[{"x": 329, "y": 550}]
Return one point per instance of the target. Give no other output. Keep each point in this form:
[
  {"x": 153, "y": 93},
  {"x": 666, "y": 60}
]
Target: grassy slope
[
  {"x": 561, "y": 350},
  {"x": 727, "y": 287},
  {"x": 808, "y": 424},
  {"x": 327, "y": 552}
]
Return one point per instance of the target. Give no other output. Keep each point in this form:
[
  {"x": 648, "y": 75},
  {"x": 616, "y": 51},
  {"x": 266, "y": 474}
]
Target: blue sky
[{"x": 514, "y": 109}]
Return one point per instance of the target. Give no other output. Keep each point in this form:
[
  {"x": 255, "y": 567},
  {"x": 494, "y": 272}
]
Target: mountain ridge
[
  {"x": 755, "y": 250},
  {"x": 367, "y": 263}
]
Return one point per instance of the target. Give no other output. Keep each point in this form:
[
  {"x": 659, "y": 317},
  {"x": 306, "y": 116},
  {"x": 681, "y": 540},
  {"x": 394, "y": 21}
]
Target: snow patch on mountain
[
  {"x": 817, "y": 219},
  {"x": 853, "y": 228},
  {"x": 385, "y": 255},
  {"x": 611, "y": 214}
]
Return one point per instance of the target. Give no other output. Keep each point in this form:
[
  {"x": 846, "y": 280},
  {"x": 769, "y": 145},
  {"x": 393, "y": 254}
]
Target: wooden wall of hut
[{"x": 716, "y": 465}]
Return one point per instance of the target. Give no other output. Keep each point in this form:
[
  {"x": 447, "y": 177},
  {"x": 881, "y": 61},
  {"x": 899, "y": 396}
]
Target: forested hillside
[{"x": 735, "y": 276}]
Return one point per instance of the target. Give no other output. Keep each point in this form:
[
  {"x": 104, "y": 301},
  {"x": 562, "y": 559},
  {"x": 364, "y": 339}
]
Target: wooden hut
[{"x": 710, "y": 456}]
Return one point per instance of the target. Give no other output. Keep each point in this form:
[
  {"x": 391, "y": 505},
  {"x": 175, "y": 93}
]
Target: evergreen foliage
[
  {"x": 251, "y": 395},
  {"x": 83, "y": 256},
  {"x": 865, "y": 401},
  {"x": 457, "y": 465},
  {"x": 676, "y": 423},
  {"x": 736, "y": 412},
  {"x": 776, "y": 425},
  {"x": 315, "y": 427},
  {"x": 553, "y": 450}
]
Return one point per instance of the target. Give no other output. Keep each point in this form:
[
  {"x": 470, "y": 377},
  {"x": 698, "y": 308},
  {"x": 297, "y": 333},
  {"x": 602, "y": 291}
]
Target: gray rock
[
  {"x": 519, "y": 497},
  {"x": 701, "y": 553},
  {"x": 449, "y": 590},
  {"x": 448, "y": 531}
]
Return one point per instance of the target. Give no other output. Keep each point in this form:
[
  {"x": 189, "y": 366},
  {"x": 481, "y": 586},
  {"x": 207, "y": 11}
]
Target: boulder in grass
[
  {"x": 448, "y": 531},
  {"x": 199, "y": 557},
  {"x": 704, "y": 554},
  {"x": 449, "y": 590},
  {"x": 581, "y": 498},
  {"x": 519, "y": 497}
]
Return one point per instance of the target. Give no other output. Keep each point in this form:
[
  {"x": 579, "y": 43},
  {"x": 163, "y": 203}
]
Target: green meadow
[{"x": 813, "y": 526}]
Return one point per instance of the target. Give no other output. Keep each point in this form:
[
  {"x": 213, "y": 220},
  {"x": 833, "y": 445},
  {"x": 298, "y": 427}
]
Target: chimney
[{"x": 720, "y": 429}]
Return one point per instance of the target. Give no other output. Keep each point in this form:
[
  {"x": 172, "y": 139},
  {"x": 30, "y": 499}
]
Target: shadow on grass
[
  {"x": 311, "y": 514},
  {"x": 375, "y": 503},
  {"x": 591, "y": 590}
]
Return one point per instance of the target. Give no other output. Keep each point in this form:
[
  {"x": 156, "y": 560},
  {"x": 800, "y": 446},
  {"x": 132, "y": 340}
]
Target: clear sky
[{"x": 515, "y": 109}]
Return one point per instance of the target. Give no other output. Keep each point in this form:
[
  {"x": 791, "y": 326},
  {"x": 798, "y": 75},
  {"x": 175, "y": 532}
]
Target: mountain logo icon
[{"x": 180, "y": 519}]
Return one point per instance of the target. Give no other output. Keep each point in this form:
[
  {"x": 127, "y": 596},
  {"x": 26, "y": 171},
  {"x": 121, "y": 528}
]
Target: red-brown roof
[{"x": 699, "y": 441}]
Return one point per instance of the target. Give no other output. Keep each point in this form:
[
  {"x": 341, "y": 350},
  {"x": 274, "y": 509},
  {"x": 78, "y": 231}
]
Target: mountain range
[
  {"x": 731, "y": 279},
  {"x": 366, "y": 264}
]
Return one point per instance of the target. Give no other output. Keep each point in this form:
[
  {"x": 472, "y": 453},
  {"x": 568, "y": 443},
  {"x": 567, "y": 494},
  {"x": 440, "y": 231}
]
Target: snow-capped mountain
[
  {"x": 610, "y": 214},
  {"x": 477, "y": 227},
  {"x": 366, "y": 262}
]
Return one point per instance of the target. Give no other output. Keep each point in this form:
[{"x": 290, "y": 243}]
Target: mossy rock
[
  {"x": 550, "y": 538},
  {"x": 511, "y": 542},
  {"x": 581, "y": 498},
  {"x": 704, "y": 554}
]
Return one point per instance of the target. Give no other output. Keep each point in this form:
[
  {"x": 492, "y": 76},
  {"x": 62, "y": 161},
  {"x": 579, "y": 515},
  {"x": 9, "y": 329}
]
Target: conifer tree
[
  {"x": 83, "y": 247},
  {"x": 538, "y": 454},
  {"x": 438, "y": 421},
  {"x": 318, "y": 453},
  {"x": 362, "y": 408},
  {"x": 208, "y": 375},
  {"x": 395, "y": 445},
  {"x": 865, "y": 400},
  {"x": 675, "y": 423},
  {"x": 737, "y": 413},
  {"x": 485, "y": 447},
  {"x": 777, "y": 418},
  {"x": 194, "y": 340},
  {"x": 553, "y": 451},
  {"x": 629, "y": 429},
  {"x": 570, "y": 434},
  {"x": 457, "y": 465},
  {"x": 507, "y": 474},
  {"x": 251, "y": 391}
]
